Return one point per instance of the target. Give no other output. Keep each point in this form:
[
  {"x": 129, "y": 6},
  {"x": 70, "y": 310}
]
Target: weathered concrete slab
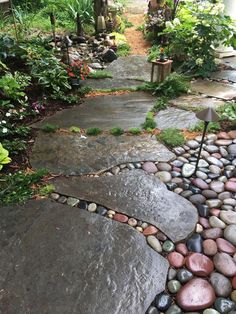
[
  {"x": 110, "y": 83},
  {"x": 175, "y": 118},
  {"x": 69, "y": 154},
  {"x": 57, "y": 259},
  {"x": 229, "y": 75},
  {"x": 215, "y": 89},
  {"x": 131, "y": 67},
  {"x": 196, "y": 101},
  {"x": 229, "y": 62},
  {"x": 125, "y": 111},
  {"x": 139, "y": 195}
]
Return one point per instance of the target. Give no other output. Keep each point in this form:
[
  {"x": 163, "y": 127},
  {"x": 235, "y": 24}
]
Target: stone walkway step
[
  {"x": 125, "y": 111},
  {"x": 215, "y": 89},
  {"x": 229, "y": 62},
  {"x": 72, "y": 155},
  {"x": 58, "y": 259},
  {"x": 138, "y": 195},
  {"x": 228, "y": 75},
  {"x": 175, "y": 118},
  {"x": 196, "y": 102}
]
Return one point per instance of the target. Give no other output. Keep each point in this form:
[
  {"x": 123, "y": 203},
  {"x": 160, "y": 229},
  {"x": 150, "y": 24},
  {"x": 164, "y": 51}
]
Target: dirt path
[{"x": 134, "y": 37}]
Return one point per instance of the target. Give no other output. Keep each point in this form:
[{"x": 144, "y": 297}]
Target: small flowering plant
[{"x": 78, "y": 69}]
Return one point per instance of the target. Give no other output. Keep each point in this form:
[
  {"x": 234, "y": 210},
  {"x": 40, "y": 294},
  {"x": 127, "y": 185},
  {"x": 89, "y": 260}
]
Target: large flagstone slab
[
  {"x": 125, "y": 111},
  {"x": 215, "y": 89},
  {"x": 131, "y": 67},
  {"x": 58, "y": 259},
  {"x": 70, "y": 154},
  {"x": 229, "y": 75},
  {"x": 110, "y": 83},
  {"x": 229, "y": 62},
  {"x": 196, "y": 101},
  {"x": 175, "y": 118},
  {"x": 138, "y": 195}
]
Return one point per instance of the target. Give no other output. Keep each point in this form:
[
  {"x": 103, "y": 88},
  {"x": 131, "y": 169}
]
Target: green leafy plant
[
  {"x": 49, "y": 128},
  {"x": 135, "y": 131},
  {"x": 83, "y": 7},
  {"x": 46, "y": 190},
  {"x": 171, "y": 137},
  {"x": 4, "y": 158},
  {"x": 123, "y": 50},
  {"x": 160, "y": 104},
  {"x": 229, "y": 112},
  {"x": 149, "y": 123},
  {"x": 99, "y": 74},
  {"x": 202, "y": 26},
  {"x": 50, "y": 74},
  {"x": 18, "y": 187},
  {"x": 12, "y": 86},
  {"x": 93, "y": 131},
  {"x": 212, "y": 127},
  {"x": 173, "y": 86},
  {"x": 117, "y": 131},
  {"x": 74, "y": 129}
]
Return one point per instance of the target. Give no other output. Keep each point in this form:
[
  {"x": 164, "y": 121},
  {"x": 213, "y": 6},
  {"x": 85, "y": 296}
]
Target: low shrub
[
  {"x": 117, "y": 131},
  {"x": 74, "y": 129},
  {"x": 99, "y": 74},
  {"x": 150, "y": 123},
  {"x": 171, "y": 137},
  {"x": 135, "y": 131},
  {"x": 49, "y": 128},
  {"x": 93, "y": 131},
  {"x": 212, "y": 127}
]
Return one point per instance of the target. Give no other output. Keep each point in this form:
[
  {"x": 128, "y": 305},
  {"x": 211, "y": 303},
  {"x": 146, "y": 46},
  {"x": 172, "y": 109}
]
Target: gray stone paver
[
  {"x": 196, "y": 101},
  {"x": 175, "y": 118},
  {"x": 138, "y": 195},
  {"x": 229, "y": 62},
  {"x": 58, "y": 259},
  {"x": 215, "y": 89},
  {"x": 229, "y": 75},
  {"x": 72, "y": 155},
  {"x": 110, "y": 83},
  {"x": 125, "y": 111}
]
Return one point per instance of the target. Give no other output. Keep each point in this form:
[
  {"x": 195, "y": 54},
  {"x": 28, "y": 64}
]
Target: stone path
[
  {"x": 125, "y": 111},
  {"x": 76, "y": 155},
  {"x": 58, "y": 259},
  {"x": 137, "y": 195}
]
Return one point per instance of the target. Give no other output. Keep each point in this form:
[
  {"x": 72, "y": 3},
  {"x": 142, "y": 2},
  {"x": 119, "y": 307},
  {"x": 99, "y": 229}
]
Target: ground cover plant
[{"x": 171, "y": 137}]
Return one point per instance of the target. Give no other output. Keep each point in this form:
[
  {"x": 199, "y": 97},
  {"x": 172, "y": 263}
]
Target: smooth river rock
[
  {"x": 57, "y": 259},
  {"x": 138, "y": 195},
  {"x": 76, "y": 155},
  {"x": 196, "y": 295}
]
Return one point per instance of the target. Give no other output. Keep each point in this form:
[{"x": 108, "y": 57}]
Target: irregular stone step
[
  {"x": 196, "y": 101},
  {"x": 124, "y": 111},
  {"x": 109, "y": 83},
  {"x": 138, "y": 195},
  {"x": 229, "y": 75},
  {"x": 75, "y": 155},
  {"x": 58, "y": 259},
  {"x": 175, "y": 118},
  {"x": 214, "y": 89}
]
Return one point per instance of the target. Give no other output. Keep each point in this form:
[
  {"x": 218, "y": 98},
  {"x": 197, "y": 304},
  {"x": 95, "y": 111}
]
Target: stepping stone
[
  {"x": 196, "y": 101},
  {"x": 229, "y": 75},
  {"x": 131, "y": 67},
  {"x": 76, "y": 155},
  {"x": 125, "y": 111},
  {"x": 229, "y": 62},
  {"x": 110, "y": 83},
  {"x": 137, "y": 7},
  {"x": 175, "y": 118},
  {"x": 58, "y": 259},
  {"x": 138, "y": 195},
  {"x": 215, "y": 89}
]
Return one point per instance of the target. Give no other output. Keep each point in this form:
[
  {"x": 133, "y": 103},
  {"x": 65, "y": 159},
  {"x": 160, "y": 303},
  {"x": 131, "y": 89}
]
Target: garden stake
[
  {"x": 53, "y": 25},
  {"x": 207, "y": 115},
  {"x": 79, "y": 27}
]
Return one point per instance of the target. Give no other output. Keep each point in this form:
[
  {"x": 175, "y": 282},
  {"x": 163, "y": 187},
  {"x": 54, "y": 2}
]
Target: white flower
[
  {"x": 4, "y": 130},
  {"x": 176, "y": 22},
  {"x": 8, "y": 114},
  {"x": 199, "y": 61},
  {"x": 4, "y": 122},
  {"x": 169, "y": 25}
]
